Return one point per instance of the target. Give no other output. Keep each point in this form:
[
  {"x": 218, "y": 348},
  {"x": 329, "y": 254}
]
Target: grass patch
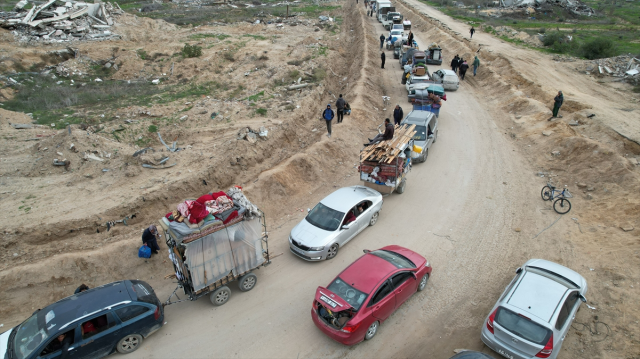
[
  {"x": 261, "y": 111},
  {"x": 208, "y": 36},
  {"x": 237, "y": 91},
  {"x": 153, "y": 128},
  {"x": 143, "y": 54},
  {"x": 189, "y": 51},
  {"x": 255, "y": 37},
  {"x": 255, "y": 97}
]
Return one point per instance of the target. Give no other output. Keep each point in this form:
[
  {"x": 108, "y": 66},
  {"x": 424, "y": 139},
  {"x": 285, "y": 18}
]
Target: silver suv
[{"x": 534, "y": 314}]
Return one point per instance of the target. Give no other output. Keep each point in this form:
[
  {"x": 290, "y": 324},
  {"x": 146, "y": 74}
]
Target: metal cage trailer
[{"x": 205, "y": 263}]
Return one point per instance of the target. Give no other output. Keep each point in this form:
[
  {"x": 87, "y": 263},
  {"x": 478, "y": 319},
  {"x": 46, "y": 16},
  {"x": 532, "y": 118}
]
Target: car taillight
[
  {"x": 546, "y": 351},
  {"x": 156, "y": 314},
  {"x": 350, "y": 328},
  {"x": 490, "y": 320}
]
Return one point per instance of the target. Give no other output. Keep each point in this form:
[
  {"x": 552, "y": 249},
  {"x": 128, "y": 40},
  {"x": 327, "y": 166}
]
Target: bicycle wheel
[
  {"x": 546, "y": 193},
  {"x": 562, "y": 205}
]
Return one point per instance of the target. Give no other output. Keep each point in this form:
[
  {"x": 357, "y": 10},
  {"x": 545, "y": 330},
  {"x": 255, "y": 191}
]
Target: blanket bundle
[{"x": 215, "y": 206}]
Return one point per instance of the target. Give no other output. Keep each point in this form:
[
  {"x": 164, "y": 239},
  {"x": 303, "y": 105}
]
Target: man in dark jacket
[
  {"x": 381, "y": 41},
  {"x": 382, "y": 58},
  {"x": 472, "y": 31},
  {"x": 397, "y": 115},
  {"x": 410, "y": 38},
  {"x": 463, "y": 69},
  {"x": 387, "y": 135},
  {"x": 149, "y": 238},
  {"x": 340, "y": 108},
  {"x": 557, "y": 102},
  {"x": 328, "y": 115},
  {"x": 454, "y": 63}
]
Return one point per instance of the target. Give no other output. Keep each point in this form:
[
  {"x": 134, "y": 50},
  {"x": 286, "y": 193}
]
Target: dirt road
[{"x": 460, "y": 210}]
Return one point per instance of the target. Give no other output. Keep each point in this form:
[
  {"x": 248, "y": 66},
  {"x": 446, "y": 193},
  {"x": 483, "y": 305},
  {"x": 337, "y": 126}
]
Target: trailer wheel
[
  {"x": 401, "y": 187},
  {"x": 247, "y": 282},
  {"x": 220, "y": 296}
]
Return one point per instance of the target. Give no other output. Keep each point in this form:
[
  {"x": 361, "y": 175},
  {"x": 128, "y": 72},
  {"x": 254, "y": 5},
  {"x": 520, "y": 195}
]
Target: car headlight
[
  {"x": 427, "y": 264},
  {"x": 315, "y": 249}
]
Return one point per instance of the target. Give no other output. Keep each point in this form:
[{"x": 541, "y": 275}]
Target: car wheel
[
  {"x": 371, "y": 332},
  {"x": 220, "y": 296},
  {"x": 423, "y": 282},
  {"x": 333, "y": 251},
  {"x": 426, "y": 153},
  {"x": 401, "y": 187},
  {"x": 374, "y": 218},
  {"x": 129, "y": 344},
  {"x": 247, "y": 282}
]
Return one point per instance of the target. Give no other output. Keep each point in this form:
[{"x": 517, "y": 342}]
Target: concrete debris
[
  {"x": 71, "y": 21},
  {"x": 625, "y": 67},
  {"x": 627, "y": 229},
  {"x": 573, "y": 6},
  {"x": 20, "y": 126},
  {"x": 91, "y": 156},
  {"x": 251, "y": 135}
]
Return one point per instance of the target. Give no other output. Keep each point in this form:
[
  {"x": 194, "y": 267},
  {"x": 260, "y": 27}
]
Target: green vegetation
[
  {"x": 153, "y": 128},
  {"x": 261, "y": 111},
  {"x": 189, "y": 51},
  {"x": 255, "y": 97},
  {"x": 206, "y": 36},
  {"x": 143, "y": 54},
  {"x": 255, "y": 37},
  {"x": 613, "y": 31}
]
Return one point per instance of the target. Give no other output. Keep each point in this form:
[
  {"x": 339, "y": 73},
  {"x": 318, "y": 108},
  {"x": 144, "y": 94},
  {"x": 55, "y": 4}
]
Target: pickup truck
[{"x": 388, "y": 21}]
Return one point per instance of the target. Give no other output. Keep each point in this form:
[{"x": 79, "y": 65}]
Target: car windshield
[
  {"x": 522, "y": 326},
  {"x": 421, "y": 133},
  {"x": 31, "y": 334},
  {"x": 396, "y": 33},
  {"x": 396, "y": 259},
  {"x": 418, "y": 80},
  {"x": 351, "y": 295},
  {"x": 324, "y": 217}
]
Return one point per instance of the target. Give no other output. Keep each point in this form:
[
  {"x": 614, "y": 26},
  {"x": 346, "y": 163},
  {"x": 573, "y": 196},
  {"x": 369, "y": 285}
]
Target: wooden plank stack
[{"x": 387, "y": 151}]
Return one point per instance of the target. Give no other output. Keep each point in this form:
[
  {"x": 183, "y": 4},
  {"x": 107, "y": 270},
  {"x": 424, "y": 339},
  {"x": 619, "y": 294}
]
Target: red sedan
[{"x": 352, "y": 307}]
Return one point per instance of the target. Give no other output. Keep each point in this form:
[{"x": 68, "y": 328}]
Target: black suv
[{"x": 91, "y": 324}]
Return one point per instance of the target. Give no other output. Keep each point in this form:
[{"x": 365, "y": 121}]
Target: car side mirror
[
  {"x": 430, "y": 136},
  {"x": 582, "y": 298},
  {"x": 519, "y": 270},
  {"x": 347, "y": 226},
  {"x": 414, "y": 276},
  {"x": 365, "y": 251}
]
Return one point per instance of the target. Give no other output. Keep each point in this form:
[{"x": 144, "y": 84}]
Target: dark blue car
[{"x": 91, "y": 324}]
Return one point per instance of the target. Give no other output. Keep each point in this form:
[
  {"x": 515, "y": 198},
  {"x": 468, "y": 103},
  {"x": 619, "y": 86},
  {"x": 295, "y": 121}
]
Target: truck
[
  {"x": 383, "y": 7},
  {"x": 391, "y": 18},
  {"x": 207, "y": 256},
  {"x": 384, "y": 166}
]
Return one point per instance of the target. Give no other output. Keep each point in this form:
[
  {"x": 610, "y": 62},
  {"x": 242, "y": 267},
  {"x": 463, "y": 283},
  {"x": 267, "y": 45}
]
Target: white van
[
  {"x": 383, "y": 7},
  {"x": 447, "y": 78}
]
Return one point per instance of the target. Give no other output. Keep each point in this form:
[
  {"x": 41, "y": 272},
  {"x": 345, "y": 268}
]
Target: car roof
[
  {"x": 366, "y": 272},
  {"x": 538, "y": 295},
  {"x": 418, "y": 117},
  {"x": 345, "y": 198},
  {"x": 69, "y": 309},
  {"x": 558, "y": 270},
  {"x": 448, "y": 72}
]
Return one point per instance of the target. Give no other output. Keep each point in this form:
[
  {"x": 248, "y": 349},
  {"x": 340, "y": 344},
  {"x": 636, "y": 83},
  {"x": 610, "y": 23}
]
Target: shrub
[
  {"x": 153, "y": 128},
  {"x": 191, "y": 51},
  {"x": 542, "y": 30},
  {"x": 597, "y": 49},
  {"x": 552, "y": 38},
  {"x": 261, "y": 111},
  {"x": 229, "y": 56}
]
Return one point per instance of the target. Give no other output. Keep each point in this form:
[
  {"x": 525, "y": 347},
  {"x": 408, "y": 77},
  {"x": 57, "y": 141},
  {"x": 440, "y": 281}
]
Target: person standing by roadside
[
  {"x": 381, "y": 41},
  {"x": 557, "y": 102},
  {"x": 463, "y": 68},
  {"x": 410, "y": 39},
  {"x": 382, "y": 57},
  {"x": 472, "y": 31},
  {"x": 397, "y": 115},
  {"x": 340, "y": 108},
  {"x": 476, "y": 64},
  {"x": 328, "y": 115},
  {"x": 454, "y": 63},
  {"x": 149, "y": 237}
]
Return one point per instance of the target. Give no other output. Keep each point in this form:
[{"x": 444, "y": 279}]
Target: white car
[
  {"x": 414, "y": 81},
  {"x": 447, "y": 78}
]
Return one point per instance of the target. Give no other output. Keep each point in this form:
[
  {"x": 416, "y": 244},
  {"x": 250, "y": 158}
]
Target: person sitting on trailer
[{"x": 387, "y": 135}]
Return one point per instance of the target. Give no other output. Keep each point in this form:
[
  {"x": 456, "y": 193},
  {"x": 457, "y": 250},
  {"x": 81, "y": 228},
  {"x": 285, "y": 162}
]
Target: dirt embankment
[
  {"x": 61, "y": 240},
  {"x": 595, "y": 157}
]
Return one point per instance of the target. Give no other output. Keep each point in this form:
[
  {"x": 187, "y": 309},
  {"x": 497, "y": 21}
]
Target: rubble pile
[
  {"x": 625, "y": 67},
  {"x": 61, "y": 21},
  {"x": 573, "y": 6}
]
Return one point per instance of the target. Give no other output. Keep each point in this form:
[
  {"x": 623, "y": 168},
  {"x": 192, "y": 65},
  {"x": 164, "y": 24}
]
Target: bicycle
[{"x": 561, "y": 203}]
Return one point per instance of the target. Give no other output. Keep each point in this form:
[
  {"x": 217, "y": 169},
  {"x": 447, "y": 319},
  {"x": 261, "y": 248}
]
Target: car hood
[
  {"x": 331, "y": 301},
  {"x": 309, "y": 235},
  {"x": 4, "y": 342}
]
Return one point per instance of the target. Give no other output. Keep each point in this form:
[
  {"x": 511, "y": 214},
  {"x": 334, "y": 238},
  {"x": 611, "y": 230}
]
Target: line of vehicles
[{"x": 530, "y": 319}]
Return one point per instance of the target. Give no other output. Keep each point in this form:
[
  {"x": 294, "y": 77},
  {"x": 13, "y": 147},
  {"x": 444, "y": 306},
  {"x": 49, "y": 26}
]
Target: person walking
[
  {"x": 382, "y": 57},
  {"x": 149, "y": 238},
  {"x": 463, "y": 69},
  {"x": 410, "y": 38},
  {"x": 454, "y": 63},
  {"x": 381, "y": 41},
  {"x": 476, "y": 64},
  {"x": 340, "y": 108},
  {"x": 328, "y": 115},
  {"x": 472, "y": 31},
  {"x": 397, "y": 115},
  {"x": 557, "y": 102},
  {"x": 371, "y": 12}
]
